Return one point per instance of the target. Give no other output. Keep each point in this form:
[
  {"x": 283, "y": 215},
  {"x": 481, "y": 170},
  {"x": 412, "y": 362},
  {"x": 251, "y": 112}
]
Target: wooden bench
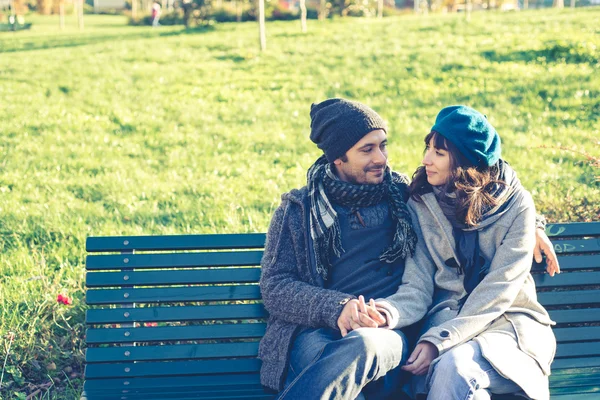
[{"x": 180, "y": 317}]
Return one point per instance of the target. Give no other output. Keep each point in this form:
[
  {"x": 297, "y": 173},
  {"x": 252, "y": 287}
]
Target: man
[{"x": 341, "y": 238}]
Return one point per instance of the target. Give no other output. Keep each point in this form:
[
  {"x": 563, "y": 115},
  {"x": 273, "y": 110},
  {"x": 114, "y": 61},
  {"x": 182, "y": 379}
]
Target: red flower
[
  {"x": 64, "y": 299},
  {"x": 150, "y": 324}
]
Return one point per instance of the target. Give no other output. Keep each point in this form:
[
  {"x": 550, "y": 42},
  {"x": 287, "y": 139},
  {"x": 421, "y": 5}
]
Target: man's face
[{"x": 365, "y": 162}]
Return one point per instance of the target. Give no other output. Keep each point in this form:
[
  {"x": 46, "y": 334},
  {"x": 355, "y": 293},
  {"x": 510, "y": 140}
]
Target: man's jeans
[
  {"x": 463, "y": 374},
  {"x": 325, "y": 365}
]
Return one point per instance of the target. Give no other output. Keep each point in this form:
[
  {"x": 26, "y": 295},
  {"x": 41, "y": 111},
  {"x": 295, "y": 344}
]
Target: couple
[{"x": 360, "y": 261}]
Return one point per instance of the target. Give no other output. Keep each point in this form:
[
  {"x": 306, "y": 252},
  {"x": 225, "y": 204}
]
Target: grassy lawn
[{"x": 129, "y": 130}]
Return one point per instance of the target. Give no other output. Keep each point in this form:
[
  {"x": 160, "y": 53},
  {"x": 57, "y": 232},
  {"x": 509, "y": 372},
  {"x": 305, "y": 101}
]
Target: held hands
[
  {"x": 543, "y": 245},
  {"x": 421, "y": 357},
  {"x": 357, "y": 314}
]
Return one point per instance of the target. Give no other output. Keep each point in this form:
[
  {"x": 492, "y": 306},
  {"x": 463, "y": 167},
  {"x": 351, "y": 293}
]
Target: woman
[{"x": 484, "y": 331}]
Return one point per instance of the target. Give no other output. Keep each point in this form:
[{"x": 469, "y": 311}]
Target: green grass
[{"x": 129, "y": 130}]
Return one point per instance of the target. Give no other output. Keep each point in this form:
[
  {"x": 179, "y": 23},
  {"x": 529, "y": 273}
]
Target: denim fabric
[
  {"x": 463, "y": 374},
  {"x": 323, "y": 365}
]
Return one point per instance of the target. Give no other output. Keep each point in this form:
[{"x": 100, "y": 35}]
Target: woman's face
[{"x": 437, "y": 164}]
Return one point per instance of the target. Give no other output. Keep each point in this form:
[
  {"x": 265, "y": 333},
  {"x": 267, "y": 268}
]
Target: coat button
[{"x": 444, "y": 333}]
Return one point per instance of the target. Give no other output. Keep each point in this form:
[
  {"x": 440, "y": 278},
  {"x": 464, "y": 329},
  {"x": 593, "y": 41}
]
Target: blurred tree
[
  {"x": 323, "y": 10},
  {"x": 44, "y": 6},
  {"x": 261, "y": 25},
  {"x": 195, "y": 12},
  {"x": 303, "y": 15}
]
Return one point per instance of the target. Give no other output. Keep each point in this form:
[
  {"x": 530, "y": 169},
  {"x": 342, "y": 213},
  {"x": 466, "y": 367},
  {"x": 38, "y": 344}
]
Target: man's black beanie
[{"x": 338, "y": 124}]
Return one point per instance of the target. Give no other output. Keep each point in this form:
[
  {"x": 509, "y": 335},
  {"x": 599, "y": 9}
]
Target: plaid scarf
[{"x": 324, "y": 187}]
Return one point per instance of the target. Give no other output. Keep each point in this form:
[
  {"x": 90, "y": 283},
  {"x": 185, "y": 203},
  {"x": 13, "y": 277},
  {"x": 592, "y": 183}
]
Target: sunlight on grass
[{"x": 129, "y": 130}]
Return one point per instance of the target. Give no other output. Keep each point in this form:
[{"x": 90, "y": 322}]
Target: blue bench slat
[
  {"x": 574, "y": 334},
  {"x": 573, "y": 229},
  {"x": 196, "y": 332},
  {"x": 179, "y": 277},
  {"x": 577, "y": 246},
  {"x": 171, "y": 352},
  {"x": 578, "y": 349},
  {"x": 577, "y": 393},
  {"x": 178, "y": 313},
  {"x": 188, "y": 390},
  {"x": 575, "y": 362},
  {"x": 178, "y": 392},
  {"x": 571, "y": 297},
  {"x": 567, "y": 372},
  {"x": 580, "y": 261},
  {"x": 173, "y": 260},
  {"x": 173, "y": 294},
  {"x": 575, "y": 315},
  {"x": 175, "y": 242},
  {"x": 257, "y": 394},
  {"x": 567, "y": 279},
  {"x": 172, "y": 368},
  {"x": 248, "y": 379},
  {"x": 579, "y": 378}
]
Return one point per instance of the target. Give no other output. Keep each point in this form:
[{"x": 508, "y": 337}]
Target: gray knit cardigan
[{"x": 292, "y": 291}]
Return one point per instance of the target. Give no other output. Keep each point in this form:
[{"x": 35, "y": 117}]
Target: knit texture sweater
[{"x": 296, "y": 297}]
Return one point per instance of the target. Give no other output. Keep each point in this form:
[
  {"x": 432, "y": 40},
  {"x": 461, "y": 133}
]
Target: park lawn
[{"x": 129, "y": 130}]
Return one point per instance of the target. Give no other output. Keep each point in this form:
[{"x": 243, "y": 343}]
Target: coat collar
[{"x": 442, "y": 222}]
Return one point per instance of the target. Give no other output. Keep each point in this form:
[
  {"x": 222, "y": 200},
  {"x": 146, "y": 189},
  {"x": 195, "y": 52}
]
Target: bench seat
[{"x": 180, "y": 317}]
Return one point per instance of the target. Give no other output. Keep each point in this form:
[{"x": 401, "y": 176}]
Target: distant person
[
  {"x": 484, "y": 330},
  {"x": 155, "y": 14}
]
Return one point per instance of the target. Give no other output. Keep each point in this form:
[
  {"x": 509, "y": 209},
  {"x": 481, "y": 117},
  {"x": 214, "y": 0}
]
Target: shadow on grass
[
  {"x": 553, "y": 52},
  {"x": 31, "y": 44}
]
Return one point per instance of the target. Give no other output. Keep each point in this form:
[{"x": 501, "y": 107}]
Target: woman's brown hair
[{"x": 474, "y": 186}]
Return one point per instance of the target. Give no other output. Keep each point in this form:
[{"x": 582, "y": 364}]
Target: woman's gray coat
[{"x": 501, "y": 310}]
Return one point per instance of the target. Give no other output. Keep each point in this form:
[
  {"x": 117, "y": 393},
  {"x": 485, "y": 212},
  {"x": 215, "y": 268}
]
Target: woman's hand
[
  {"x": 543, "y": 245},
  {"x": 419, "y": 361}
]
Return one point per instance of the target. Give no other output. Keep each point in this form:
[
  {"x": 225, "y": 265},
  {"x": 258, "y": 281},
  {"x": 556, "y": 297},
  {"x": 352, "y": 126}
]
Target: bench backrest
[
  {"x": 167, "y": 308},
  {"x": 192, "y": 301}
]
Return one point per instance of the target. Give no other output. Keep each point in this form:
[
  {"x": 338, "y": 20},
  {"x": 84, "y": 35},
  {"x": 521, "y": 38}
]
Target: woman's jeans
[
  {"x": 325, "y": 365},
  {"x": 463, "y": 374}
]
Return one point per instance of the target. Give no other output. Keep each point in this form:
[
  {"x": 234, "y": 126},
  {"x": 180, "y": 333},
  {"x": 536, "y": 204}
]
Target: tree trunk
[
  {"x": 303, "y": 15},
  {"x": 44, "y": 7},
  {"x": 61, "y": 14},
  {"x": 379, "y": 8},
  {"x": 468, "y": 6},
  {"x": 261, "y": 25},
  {"x": 322, "y": 10},
  {"x": 238, "y": 10},
  {"x": 80, "y": 14},
  {"x": 558, "y": 4},
  {"x": 525, "y": 4},
  {"x": 572, "y": 3},
  {"x": 134, "y": 7}
]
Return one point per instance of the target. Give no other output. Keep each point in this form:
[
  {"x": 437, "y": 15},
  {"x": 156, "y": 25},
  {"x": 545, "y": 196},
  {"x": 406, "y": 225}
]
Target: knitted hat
[
  {"x": 338, "y": 124},
  {"x": 470, "y": 131}
]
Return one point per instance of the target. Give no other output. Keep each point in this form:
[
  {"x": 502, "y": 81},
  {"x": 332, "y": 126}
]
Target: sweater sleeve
[
  {"x": 414, "y": 296},
  {"x": 509, "y": 269},
  {"x": 285, "y": 295}
]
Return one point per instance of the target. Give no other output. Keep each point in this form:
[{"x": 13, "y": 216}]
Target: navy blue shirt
[{"x": 366, "y": 234}]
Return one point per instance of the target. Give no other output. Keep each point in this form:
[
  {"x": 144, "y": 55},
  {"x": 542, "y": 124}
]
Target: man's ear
[{"x": 338, "y": 161}]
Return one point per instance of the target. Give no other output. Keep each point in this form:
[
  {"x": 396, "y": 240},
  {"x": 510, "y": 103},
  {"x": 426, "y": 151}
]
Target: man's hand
[
  {"x": 543, "y": 245},
  {"x": 421, "y": 357},
  {"x": 357, "y": 314}
]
